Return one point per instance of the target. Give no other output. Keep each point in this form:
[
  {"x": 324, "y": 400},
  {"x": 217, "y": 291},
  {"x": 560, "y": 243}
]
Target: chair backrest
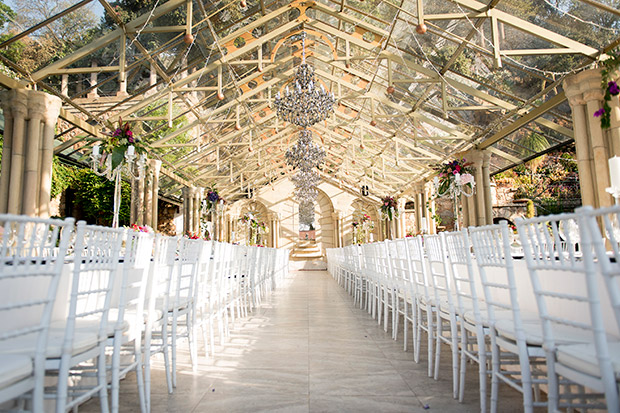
[
  {"x": 558, "y": 275},
  {"x": 458, "y": 246},
  {"x": 436, "y": 253},
  {"x": 419, "y": 268},
  {"x": 399, "y": 264},
  {"x": 32, "y": 254},
  {"x": 134, "y": 281},
  {"x": 607, "y": 249},
  {"x": 96, "y": 265},
  {"x": 187, "y": 268},
  {"x": 496, "y": 268},
  {"x": 162, "y": 270},
  {"x": 371, "y": 261},
  {"x": 383, "y": 262}
]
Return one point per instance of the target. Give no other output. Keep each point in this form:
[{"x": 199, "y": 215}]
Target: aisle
[{"x": 307, "y": 349}]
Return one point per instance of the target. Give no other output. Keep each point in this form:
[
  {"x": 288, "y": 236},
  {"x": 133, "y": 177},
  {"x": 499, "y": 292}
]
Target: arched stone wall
[{"x": 323, "y": 211}]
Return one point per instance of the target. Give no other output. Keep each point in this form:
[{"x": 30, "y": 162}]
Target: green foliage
[
  {"x": 62, "y": 177},
  {"x": 95, "y": 195},
  {"x": 530, "y": 209},
  {"x": 6, "y": 15}
]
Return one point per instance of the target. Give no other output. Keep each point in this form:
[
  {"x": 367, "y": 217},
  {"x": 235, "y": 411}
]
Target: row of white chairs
[
  {"x": 462, "y": 291},
  {"x": 82, "y": 306}
]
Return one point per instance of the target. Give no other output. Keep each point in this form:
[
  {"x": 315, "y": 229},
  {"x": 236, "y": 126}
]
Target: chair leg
[
  {"x": 102, "y": 381},
  {"x": 455, "y": 359},
  {"x": 439, "y": 334},
  {"x": 495, "y": 354},
  {"x": 405, "y": 323}
]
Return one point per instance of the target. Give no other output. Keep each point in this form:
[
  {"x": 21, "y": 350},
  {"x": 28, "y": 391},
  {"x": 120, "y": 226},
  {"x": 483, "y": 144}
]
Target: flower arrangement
[
  {"x": 389, "y": 207},
  {"x": 192, "y": 235},
  {"x": 119, "y": 141},
  {"x": 610, "y": 87},
  {"x": 139, "y": 228},
  {"x": 212, "y": 199},
  {"x": 456, "y": 169}
]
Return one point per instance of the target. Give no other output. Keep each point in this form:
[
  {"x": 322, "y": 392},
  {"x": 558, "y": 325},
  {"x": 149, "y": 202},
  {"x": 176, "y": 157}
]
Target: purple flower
[
  {"x": 130, "y": 139},
  {"x": 599, "y": 112},
  {"x": 613, "y": 88},
  {"x": 213, "y": 196},
  {"x": 117, "y": 132}
]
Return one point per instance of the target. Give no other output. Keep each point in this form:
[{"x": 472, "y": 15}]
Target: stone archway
[
  {"x": 261, "y": 214},
  {"x": 360, "y": 207}
]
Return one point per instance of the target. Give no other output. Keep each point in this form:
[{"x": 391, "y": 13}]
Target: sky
[{"x": 94, "y": 5}]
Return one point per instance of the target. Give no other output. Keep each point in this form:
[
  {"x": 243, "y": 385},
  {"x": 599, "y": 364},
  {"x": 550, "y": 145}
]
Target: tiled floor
[{"x": 308, "y": 349}]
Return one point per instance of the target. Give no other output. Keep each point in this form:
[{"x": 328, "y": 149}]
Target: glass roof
[{"x": 197, "y": 80}]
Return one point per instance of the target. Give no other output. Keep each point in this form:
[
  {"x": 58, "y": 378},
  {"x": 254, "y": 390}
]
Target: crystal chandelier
[
  {"x": 305, "y": 154},
  {"x": 306, "y": 104}
]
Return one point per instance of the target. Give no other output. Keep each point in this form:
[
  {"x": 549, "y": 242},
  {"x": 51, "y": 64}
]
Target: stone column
[
  {"x": 336, "y": 217},
  {"x": 187, "y": 196},
  {"x": 593, "y": 145},
  {"x": 46, "y": 157},
  {"x": 419, "y": 206},
  {"x": 155, "y": 167},
  {"x": 430, "y": 210},
  {"x": 400, "y": 222},
  {"x": 477, "y": 158},
  {"x": 148, "y": 196},
  {"x": 465, "y": 212},
  {"x": 486, "y": 187},
  {"x": 195, "y": 211},
  {"x": 25, "y": 181}
]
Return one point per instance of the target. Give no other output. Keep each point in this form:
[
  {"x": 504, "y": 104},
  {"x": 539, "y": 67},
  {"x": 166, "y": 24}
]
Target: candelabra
[
  {"x": 115, "y": 174},
  {"x": 457, "y": 185}
]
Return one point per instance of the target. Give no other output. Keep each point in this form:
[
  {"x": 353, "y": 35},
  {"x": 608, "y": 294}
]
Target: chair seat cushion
[
  {"x": 582, "y": 357},
  {"x": 82, "y": 341},
  {"x": 87, "y": 324},
  {"x": 499, "y": 314},
  {"x": 534, "y": 333},
  {"x": 183, "y": 302},
  {"x": 13, "y": 368}
]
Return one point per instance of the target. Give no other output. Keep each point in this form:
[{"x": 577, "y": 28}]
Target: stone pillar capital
[
  {"x": 155, "y": 165},
  {"x": 583, "y": 86},
  {"x": 336, "y": 215},
  {"x": 19, "y": 102}
]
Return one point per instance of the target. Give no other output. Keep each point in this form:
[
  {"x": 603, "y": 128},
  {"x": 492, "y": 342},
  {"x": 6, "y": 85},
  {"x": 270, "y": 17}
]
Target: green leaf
[{"x": 118, "y": 155}]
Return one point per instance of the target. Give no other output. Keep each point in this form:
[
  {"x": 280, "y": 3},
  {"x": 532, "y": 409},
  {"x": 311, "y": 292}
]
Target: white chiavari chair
[
  {"x": 608, "y": 256},
  {"x": 424, "y": 318},
  {"x": 385, "y": 301},
  {"x": 371, "y": 273},
  {"x": 516, "y": 337},
  {"x": 405, "y": 293},
  {"x": 205, "y": 313},
  {"x": 32, "y": 253},
  {"x": 575, "y": 339},
  {"x": 469, "y": 307},
  {"x": 86, "y": 330},
  {"x": 129, "y": 313},
  {"x": 182, "y": 302},
  {"x": 446, "y": 329},
  {"x": 157, "y": 338}
]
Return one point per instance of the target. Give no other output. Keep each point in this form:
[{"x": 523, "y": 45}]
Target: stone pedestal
[{"x": 28, "y": 148}]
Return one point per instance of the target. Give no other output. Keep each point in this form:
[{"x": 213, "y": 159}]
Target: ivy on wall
[{"x": 92, "y": 195}]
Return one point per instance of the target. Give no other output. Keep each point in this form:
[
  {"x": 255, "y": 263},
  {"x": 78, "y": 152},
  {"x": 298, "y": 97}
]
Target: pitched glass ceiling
[{"x": 196, "y": 79}]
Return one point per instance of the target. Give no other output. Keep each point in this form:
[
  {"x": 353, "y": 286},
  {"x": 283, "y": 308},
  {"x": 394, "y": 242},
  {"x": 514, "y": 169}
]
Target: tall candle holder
[
  {"x": 614, "y": 178},
  {"x": 115, "y": 174},
  {"x": 457, "y": 185}
]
